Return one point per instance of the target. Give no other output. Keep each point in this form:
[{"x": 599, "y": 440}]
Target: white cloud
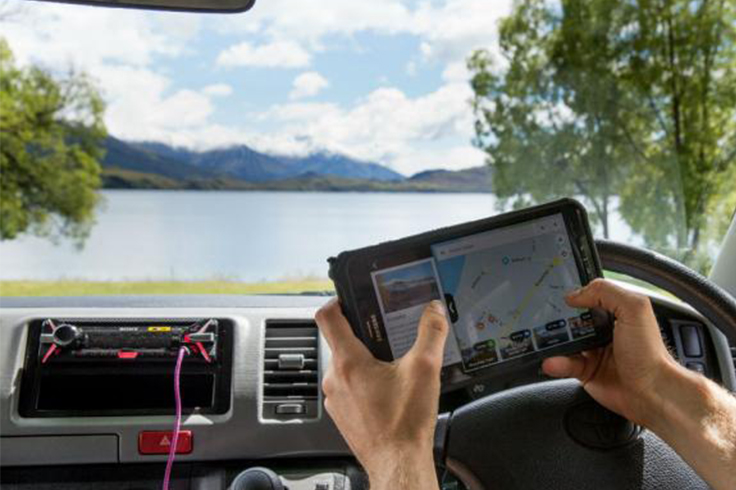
[
  {"x": 453, "y": 157},
  {"x": 278, "y": 54},
  {"x": 182, "y": 27},
  {"x": 301, "y": 111},
  {"x": 308, "y": 84},
  {"x": 448, "y": 30},
  {"x": 292, "y": 19},
  {"x": 116, "y": 48},
  {"x": 58, "y": 36},
  {"x": 456, "y": 72},
  {"x": 142, "y": 106},
  {"x": 127, "y": 52},
  {"x": 453, "y": 29},
  {"x": 218, "y": 90},
  {"x": 408, "y": 134},
  {"x": 387, "y": 126}
]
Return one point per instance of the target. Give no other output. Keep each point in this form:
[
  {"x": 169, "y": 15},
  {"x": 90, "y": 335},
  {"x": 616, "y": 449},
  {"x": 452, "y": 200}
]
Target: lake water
[{"x": 249, "y": 236}]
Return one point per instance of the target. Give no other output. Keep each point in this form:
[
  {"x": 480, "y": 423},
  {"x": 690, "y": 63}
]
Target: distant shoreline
[
  {"x": 123, "y": 179},
  {"x": 141, "y": 165},
  {"x": 335, "y": 191}
]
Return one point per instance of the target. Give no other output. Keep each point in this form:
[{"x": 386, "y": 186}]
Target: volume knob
[{"x": 66, "y": 335}]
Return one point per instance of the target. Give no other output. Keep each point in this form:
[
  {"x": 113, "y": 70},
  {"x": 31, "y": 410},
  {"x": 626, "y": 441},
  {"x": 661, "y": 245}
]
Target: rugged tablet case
[{"x": 339, "y": 267}]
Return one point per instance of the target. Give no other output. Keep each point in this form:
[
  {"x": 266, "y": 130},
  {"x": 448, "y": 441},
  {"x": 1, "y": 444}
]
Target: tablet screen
[{"x": 504, "y": 291}]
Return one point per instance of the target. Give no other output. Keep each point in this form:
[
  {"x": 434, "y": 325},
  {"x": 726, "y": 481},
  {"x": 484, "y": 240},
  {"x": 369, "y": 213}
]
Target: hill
[
  {"x": 125, "y": 156},
  {"x": 245, "y": 163},
  {"x": 475, "y": 179},
  {"x": 159, "y": 166},
  {"x": 323, "y": 163}
]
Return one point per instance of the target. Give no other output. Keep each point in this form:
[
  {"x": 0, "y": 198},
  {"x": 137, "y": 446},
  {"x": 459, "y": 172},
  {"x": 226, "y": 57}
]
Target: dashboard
[{"x": 265, "y": 399}]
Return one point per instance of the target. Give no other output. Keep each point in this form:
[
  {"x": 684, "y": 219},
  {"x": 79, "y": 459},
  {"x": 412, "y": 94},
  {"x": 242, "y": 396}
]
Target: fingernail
[{"x": 437, "y": 306}]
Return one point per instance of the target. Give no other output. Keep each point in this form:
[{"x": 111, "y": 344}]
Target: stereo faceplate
[{"x": 106, "y": 367}]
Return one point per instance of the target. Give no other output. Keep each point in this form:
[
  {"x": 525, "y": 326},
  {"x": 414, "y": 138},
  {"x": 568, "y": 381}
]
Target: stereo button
[
  {"x": 159, "y": 442},
  {"x": 690, "y": 341}
]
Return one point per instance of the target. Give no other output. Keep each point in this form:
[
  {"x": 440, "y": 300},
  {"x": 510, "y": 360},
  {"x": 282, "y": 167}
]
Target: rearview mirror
[{"x": 205, "y": 6}]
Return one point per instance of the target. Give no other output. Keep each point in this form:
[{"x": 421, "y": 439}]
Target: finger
[
  {"x": 600, "y": 293},
  {"x": 565, "y": 367},
  {"x": 336, "y": 330},
  {"x": 433, "y": 328}
]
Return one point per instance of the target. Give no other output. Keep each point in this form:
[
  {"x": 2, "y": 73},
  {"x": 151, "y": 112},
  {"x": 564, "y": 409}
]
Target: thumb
[
  {"x": 564, "y": 367},
  {"x": 433, "y": 328}
]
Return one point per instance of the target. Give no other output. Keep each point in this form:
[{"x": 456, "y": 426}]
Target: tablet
[{"x": 502, "y": 279}]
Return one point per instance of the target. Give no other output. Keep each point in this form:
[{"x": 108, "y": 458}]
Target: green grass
[
  {"x": 96, "y": 288},
  {"x": 103, "y": 288}
]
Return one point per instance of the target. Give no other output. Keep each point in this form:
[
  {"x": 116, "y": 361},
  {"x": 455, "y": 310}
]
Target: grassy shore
[{"x": 96, "y": 288}]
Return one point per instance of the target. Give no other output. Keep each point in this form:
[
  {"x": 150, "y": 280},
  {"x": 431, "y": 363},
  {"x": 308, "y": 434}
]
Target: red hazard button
[{"x": 159, "y": 442}]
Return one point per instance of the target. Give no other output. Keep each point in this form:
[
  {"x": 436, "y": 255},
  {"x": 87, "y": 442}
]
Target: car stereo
[{"x": 103, "y": 367}]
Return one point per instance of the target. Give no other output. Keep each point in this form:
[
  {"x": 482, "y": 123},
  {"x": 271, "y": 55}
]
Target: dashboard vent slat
[
  {"x": 272, "y": 364},
  {"x": 290, "y": 368},
  {"x": 275, "y": 352}
]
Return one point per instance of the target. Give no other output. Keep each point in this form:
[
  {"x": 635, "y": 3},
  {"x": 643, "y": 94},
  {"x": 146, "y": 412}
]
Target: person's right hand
[
  {"x": 622, "y": 375},
  {"x": 636, "y": 377}
]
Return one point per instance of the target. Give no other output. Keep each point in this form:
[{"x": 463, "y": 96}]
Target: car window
[{"x": 171, "y": 153}]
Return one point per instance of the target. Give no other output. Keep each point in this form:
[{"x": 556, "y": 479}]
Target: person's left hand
[{"x": 386, "y": 411}]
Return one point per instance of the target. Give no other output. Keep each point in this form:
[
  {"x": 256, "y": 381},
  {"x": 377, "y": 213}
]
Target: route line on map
[{"x": 530, "y": 293}]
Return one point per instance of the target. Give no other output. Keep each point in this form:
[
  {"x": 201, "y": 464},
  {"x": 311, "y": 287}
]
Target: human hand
[
  {"x": 637, "y": 378},
  {"x": 386, "y": 411},
  {"x": 621, "y": 376}
]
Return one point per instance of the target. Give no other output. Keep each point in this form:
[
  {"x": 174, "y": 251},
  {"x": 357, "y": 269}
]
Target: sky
[{"x": 376, "y": 80}]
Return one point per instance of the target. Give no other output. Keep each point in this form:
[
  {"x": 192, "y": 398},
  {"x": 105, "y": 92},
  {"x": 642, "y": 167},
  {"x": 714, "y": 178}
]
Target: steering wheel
[{"x": 553, "y": 435}]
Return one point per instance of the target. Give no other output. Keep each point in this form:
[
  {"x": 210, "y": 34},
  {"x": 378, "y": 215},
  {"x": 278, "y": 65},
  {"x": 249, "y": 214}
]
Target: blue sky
[{"x": 379, "y": 80}]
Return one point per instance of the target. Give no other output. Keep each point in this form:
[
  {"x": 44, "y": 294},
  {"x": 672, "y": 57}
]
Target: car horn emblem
[{"x": 593, "y": 426}]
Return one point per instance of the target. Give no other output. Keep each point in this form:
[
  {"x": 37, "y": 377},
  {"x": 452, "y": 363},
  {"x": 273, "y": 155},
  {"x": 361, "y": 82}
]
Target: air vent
[
  {"x": 291, "y": 370},
  {"x": 733, "y": 354}
]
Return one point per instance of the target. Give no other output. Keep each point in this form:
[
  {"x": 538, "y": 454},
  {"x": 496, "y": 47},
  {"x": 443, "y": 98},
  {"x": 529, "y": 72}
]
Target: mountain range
[{"x": 153, "y": 165}]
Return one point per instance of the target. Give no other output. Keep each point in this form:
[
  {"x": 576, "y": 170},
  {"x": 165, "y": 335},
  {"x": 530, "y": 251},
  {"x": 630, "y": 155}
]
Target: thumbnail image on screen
[
  {"x": 405, "y": 287},
  {"x": 403, "y": 292},
  {"x": 505, "y": 291}
]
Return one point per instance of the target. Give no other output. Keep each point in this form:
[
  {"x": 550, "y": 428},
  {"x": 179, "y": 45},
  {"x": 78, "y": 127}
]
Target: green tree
[
  {"x": 682, "y": 60},
  {"x": 722, "y": 209},
  {"x": 611, "y": 101},
  {"x": 51, "y": 134}
]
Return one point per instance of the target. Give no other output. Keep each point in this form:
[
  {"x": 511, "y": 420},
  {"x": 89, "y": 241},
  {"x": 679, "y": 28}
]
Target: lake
[{"x": 248, "y": 236}]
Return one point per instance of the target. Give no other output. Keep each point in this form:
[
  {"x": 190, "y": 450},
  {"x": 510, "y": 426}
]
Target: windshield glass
[{"x": 164, "y": 153}]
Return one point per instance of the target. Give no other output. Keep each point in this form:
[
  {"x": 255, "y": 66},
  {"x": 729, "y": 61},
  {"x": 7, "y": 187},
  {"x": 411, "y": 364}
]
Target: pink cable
[{"x": 177, "y": 424}]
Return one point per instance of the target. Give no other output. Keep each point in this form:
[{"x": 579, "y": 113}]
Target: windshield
[{"x": 163, "y": 153}]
